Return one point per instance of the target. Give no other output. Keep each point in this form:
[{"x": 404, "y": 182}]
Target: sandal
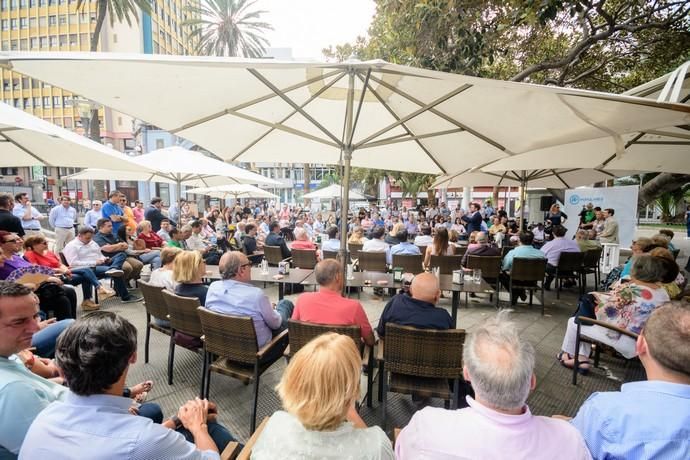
[
  {"x": 143, "y": 387},
  {"x": 560, "y": 356},
  {"x": 582, "y": 366}
]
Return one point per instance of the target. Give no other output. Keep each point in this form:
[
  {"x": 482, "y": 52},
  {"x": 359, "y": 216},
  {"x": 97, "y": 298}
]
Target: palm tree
[
  {"x": 122, "y": 10},
  {"x": 227, "y": 28},
  {"x": 411, "y": 184}
]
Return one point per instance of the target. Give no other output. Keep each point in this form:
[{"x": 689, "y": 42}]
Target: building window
[
  {"x": 84, "y": 18},
  {"x": 25, "y": 82},
  {"x": 6, "y": 85},
  {"x": 32, "y": 3},
  {"x": 84, "y": 38},
  {"x": 41, "y": 2},
  {"x": 67, "y": 101},
  {"x": 3, "y": 5},
  {"x": 44, "y": 42},
  {"x": 13, "y": 24},
  {"x": 46, "y": 101},
  {"x": 62, "y": 19},
  {"x": 33, "y": 22},
  {"x": 14, "y": 45},
  {"x": 9, "y": 171},
  {"x": 56, "y": 101},
  {"x": 160, "y": 143},
  {"x": 23, "y": 23},
  {"x": 13, "y": 4},
  {"x": 72, "y": 19},
  {"x": 43, "y": 21},
  {"x": 17, "y": 103},
  {"x": 52, "y": 20},
  {"x": 5, "y": 24},
  {"x": 73, "y": 40},
  {"x": 22, "y": 3},
  {"x": 53, "y": 41},
  {"x": 93, "y": 16},
  {"x": 24, "y": 44},
  {"x": 26, "y": 102},
  {"x": 37, "y": 102}
]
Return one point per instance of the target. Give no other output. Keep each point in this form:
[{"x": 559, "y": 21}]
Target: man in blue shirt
[
  {"x": 647, "y": 419},
  {"x": 474, "y": 219},
  {"x": 29, "y": 215},
  {"x": 93, "y": 420},
  {"x": 403, "y": 248},
  {"x": 62, "y": 218},
  {"x": 234, "y": 295},
  {"x": 113, "y": 211},
  {"x": 524, "y": 251}
]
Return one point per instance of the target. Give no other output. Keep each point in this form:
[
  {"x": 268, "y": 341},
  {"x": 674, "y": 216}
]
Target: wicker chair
[
  {"x": 490, "y": 267},
  {"x": 184, "y": 319},
  {"x": 330, "y": 254},
  {"x": 505, "y": 250},
  {"x": 420, "y": 361},
  {"x": 301, "y": 333},
  {"x": 273, "y": 255},
  {"x": 569, "y": 266},
  {"x": 304, "y": 258},
  {"x": 525, "y": 274},
  {"x": 372, "y": 261},
  {"x": 590, "y": 264},
  {"x": 584, "y": 320},
  {"x": 409, "y": 263},
  {"x": 446, "y": 264},
  {"x": 230, "y": 348},
  {"x": 354, "y": 248},
  {"x": 155, "y": 308},
  {"x": 460, "y": 250}
]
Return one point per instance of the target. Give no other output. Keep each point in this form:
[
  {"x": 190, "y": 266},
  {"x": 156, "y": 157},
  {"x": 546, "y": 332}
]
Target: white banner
[{"x": 623, "y": 200}]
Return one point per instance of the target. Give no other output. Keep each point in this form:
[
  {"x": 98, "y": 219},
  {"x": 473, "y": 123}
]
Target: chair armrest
[
  {"x": 379, "y": 350},
  {"x": 231, "y": 451},
  {"x": 273, "y": 343},
  {"x": 246, "y": 452},
  {"x": 584, "y": 320},
  {"x": 287, "y": 259}
]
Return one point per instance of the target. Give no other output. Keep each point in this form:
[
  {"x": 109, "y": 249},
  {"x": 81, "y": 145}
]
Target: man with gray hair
[
  {"x": 234, "y": 295},
  {"x": 481, "y": 249},
  {"x": 328, "y": 306},
  {"x": 497, "y": 424}
]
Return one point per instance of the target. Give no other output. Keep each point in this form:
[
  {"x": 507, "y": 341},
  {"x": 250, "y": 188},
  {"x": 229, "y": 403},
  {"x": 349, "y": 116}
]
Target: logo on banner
[
  {"x": 577, "y": 199},
  {"x": 574, "y": 199}
]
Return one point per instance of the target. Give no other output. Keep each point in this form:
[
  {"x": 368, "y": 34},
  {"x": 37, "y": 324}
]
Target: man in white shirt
[
  {"x": 31, "y": 218},
  {"x": 424, "y": 238},
  {"x": 332, "y": 243},
  {"x": 497, "y": 424},
  {"x": 196, "y": 242},
  {"x": 376, "y": 243},
  {"x": 164, "y": 232}
]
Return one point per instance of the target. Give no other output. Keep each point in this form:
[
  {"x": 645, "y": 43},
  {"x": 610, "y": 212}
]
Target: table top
[{"x": 296, "y": 275}]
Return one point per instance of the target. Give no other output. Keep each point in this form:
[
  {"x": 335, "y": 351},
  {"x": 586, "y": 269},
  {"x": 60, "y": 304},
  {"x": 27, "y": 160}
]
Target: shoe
[
  {"x": 89, "y": 305},
  {"x": 114, "y": 273},
  {"x": 132, "y": 299},
  {"x": 104, "y": 293},
  {"x": 523, "y": 296}
]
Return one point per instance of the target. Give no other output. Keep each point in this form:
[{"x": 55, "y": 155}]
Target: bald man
[{"x": 417, "y": 309}]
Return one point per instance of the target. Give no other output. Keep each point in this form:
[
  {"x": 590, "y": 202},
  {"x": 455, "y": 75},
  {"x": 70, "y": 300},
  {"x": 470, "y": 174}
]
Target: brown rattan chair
[
  {"x": 581, "y": 336},
  {"x": 491, "y": 269},
  {"x": 420, "y": 361},
  {"x": 273, "y": 255},
  {"x": 230, "y": 348},
  {"x": 183, "y": 319},
  {"x": 409, "y": 263},
  {"x": 372, "y": 261},
  {"x": 330, "y": 254},
  {"x": 460, "y": 250},
  {"x": 528, "y": 274},
  {"x": 353, "y": 248},
  {"x": 446, "y": 264},
  {"x": 155, "y": 308},
  {"x": 301, "y": 333},
  {"x": 505, "y": 250},
  {"x": 569, "y": 266},
  {"x": 590, "y": 264},
  {"x": 304, "y": 258}
]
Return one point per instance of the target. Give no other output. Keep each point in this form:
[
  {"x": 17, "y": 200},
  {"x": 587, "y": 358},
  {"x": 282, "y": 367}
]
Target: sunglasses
[{"x": 14, "y": 240}]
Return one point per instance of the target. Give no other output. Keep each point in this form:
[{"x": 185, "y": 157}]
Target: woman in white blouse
[
  {"x": 163, "y": 276},
  {"x": 319, "y": 389}
]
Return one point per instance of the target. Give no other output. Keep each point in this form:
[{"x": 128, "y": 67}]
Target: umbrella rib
[
  {"x": 293, "y": 104},
  {"x": 404, "y": 126},
  {"x": 442, "y": 115},
  {"x": 359, "y": 108},
  {"x": 416, "y": 113},
  {"x": 406, "y": 138},
  {"x": 25, "y": 150},
  {"x": 560, "y": 178},
  {"x": 252, "y": 102},
  {"x": 307, "y": 102}
]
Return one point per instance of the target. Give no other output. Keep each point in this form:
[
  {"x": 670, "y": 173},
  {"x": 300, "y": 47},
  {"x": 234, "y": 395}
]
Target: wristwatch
[{"x": 176, "y": 420}]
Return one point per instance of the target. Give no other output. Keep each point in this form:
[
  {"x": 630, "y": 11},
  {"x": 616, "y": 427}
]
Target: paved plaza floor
[{"x": 554, "y": 393}]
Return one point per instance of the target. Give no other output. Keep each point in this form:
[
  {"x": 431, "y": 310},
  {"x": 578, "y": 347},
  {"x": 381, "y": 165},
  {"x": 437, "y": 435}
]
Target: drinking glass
[{"x": 477, "y": 275}]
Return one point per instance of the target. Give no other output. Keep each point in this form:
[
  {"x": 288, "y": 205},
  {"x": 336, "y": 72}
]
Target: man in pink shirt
[
  {"x": 328, "y": 306},
  {"x": 497, "y": 424}
]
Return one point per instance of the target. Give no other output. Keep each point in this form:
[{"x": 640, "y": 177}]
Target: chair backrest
[
  {"x": 591, "y": 258},
  {"x": 232, "y": 337},
  {"x": 423, "y": 352},
  {"x": 446, "y": 264},
  {"x": 460, "y": 250},
  {"x": 301, "y": 333},
  {"x": 354, "y": 248},
  {"x": 372, "y": 261},
  {"x": 409, "y": 263},
  {"x": 182, "y": 313},
  {"x": 304, "y": 258},
  {"x": 570, "y": 261},
  {"x": 63, "y": 259},
  {"x": 489, "y": 265},
  {"x": 330, "y": 254},
  {"x": 505, "y": 250},
  {"x": 524, "y": 269},
  {"x": 154, "y": 300},
  {"x": 273, "y": 254}
]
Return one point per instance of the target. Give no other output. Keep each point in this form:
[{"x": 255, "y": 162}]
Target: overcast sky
[{"x": 308, "y": 26}]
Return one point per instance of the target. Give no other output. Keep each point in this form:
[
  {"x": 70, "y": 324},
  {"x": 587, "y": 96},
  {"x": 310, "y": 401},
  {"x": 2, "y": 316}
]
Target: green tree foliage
[{"x": 227, "y": 28}]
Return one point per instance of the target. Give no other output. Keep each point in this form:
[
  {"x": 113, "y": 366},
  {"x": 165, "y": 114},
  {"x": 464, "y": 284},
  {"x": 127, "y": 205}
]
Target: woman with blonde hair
[
  {"x": 188, "y": 272},
  {"x": 357, "y": 236},
  {"x": 319, "y": 389}
]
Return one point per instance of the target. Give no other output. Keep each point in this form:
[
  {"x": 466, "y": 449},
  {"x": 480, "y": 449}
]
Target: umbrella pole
[
  {"x": 347, "y": 158},
  {"x": 523, "y": 200}
]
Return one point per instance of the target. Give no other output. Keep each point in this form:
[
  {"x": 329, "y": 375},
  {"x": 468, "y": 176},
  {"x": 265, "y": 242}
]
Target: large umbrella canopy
[
  {"x": 332, "y": 191},
  {"x": 371, "y": 114},
  {"x": 26, "y": 140},
  {"x": 234, "y": 191},
  {"x": 180, "y": 166}
]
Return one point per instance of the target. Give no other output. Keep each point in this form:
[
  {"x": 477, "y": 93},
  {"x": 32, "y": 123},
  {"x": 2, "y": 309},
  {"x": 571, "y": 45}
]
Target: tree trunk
[
  {"x": 665, "y": 182},
  {"x": 95, "y": 124}
]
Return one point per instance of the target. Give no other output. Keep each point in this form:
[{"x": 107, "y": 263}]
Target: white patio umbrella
[
  {"x": 26, "y": 140},
  {"x": 370, "y": 114},
  {"x": 233, "y": 190},
  {"x": 332, "y": 191}
]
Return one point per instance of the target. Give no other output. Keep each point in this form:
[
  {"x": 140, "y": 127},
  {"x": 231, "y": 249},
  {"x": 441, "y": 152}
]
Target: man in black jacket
[
  {"x": 153, "y": 213},
  {"x": 474, "y": 219},
  {"x": 8, "y": 221},
  {"x": 274, "y": 238}
]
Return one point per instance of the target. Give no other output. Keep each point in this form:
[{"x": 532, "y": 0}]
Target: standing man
[
  {"x": 113, "y": 211},
  {"x": 474, "y": 219},
  {"x": 62, "y": 219},
  {"x": 8, "y": 221},
  {"x": 174, "y": 212},
  {"x": 30, "y": 217},
  {"x": 94, "y": 214},
  {"x": 610, "y": 232},
  {"x": 154, "y": 214}
]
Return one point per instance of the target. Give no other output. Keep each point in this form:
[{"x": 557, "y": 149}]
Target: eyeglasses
[
  {"x": 248, "y": 264},
  {"x": 14, "y": 240}
]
